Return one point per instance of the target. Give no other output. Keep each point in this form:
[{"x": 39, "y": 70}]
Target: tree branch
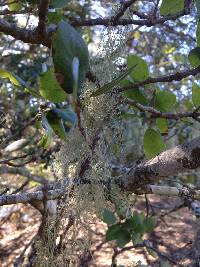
[
  {"x": 42, "y": 14},
  {"x": 27, "y": 36},
  {"x": 23, "y": 172},
  {"x": 176, "y": 160},
  {"x": 158, "y": 114},
  {"x": 29, "y": 197},
  {"x": 178, "y": 76},
  {"x": 122, "y": 9},
  {"x": 149, "y": 21}
]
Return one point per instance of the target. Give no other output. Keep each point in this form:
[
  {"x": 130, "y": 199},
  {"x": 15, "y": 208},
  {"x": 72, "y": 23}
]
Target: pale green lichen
[{"x": 100, "y": 119}]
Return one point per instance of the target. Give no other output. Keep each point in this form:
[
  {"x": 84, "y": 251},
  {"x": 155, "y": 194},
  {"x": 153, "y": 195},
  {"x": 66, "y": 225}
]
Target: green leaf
[
  {"x": 164, "y": 101},
  {"x": 50, "y": 88},
  {"x": 198, "y": 33},
  {"x": 162, "y": 125},
  {"x": 11, "y": 77},
  {"x": 137, "y": 222},
  {"x": 141, "y": 71},
  {"x": 112, "y": 232},
  {"x": 109, "y": 217},
  {"x": 107, "y": 87},
  {"x": 136, "y": 238},
  {"x": 198, "y": 7},
  {"x": 16, "y": 80},
  {"x": 153, "y": 143},
  {"x": 55, "y": 17},
  {"x": 46, "y": 140},
  {"x": 137, "y": 95},
  {"x": 67, "y": 115},
  {"x": 149, "y": 225},
  {"x": 196, "y": 95},
  {"x": 194, "y": 57},
  {"x": 58, "y": 3},
  {"x": 68, "y": 44},
  {"x": 123, "y": 237},
  {"x": 170, "y": 7},
  {"x": 56, "y": 124},
  {"x": 14, "y": 6},
  {"x": 48, "y": 136}
]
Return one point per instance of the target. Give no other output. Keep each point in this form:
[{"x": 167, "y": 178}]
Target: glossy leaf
[
  {"x": 109, "y": 217},
  {"x": 194, "y": 57},
  {"x": 162, "y": 125},
  {"x": 11, "y": 77},
  {"x": 141, "y": 71},
  {"x": 164, "y": 100},
  {"x": 50, "y": 88},
  {"x": 107, "y": 87},
  {"x": 196, "y": 95},
  {"x": 153, "y": 143},
  {"x": 170, "y": 7},
  {"x": 68, "y": 44}
]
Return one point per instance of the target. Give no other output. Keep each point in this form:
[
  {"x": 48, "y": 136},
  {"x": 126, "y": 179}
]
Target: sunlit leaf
[
  {"x": 50, "y": 88},
  {"x": 162, "y": 125},
  {"x": 11, "y": 77},
  {"x": 170, "y": 7},
  {"x": 153, "y": 143},
  {"x": 141, "y": 71},
  {"x": 14, "y": 6},
  {"x": 164, "y": 100}
]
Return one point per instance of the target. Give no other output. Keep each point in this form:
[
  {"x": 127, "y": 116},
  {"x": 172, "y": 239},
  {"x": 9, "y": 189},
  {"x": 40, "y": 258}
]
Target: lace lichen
[{"x": 90, "y": 157}]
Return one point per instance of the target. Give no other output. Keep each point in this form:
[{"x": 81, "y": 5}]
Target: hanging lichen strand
[{"x": 93, "y": 148}]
